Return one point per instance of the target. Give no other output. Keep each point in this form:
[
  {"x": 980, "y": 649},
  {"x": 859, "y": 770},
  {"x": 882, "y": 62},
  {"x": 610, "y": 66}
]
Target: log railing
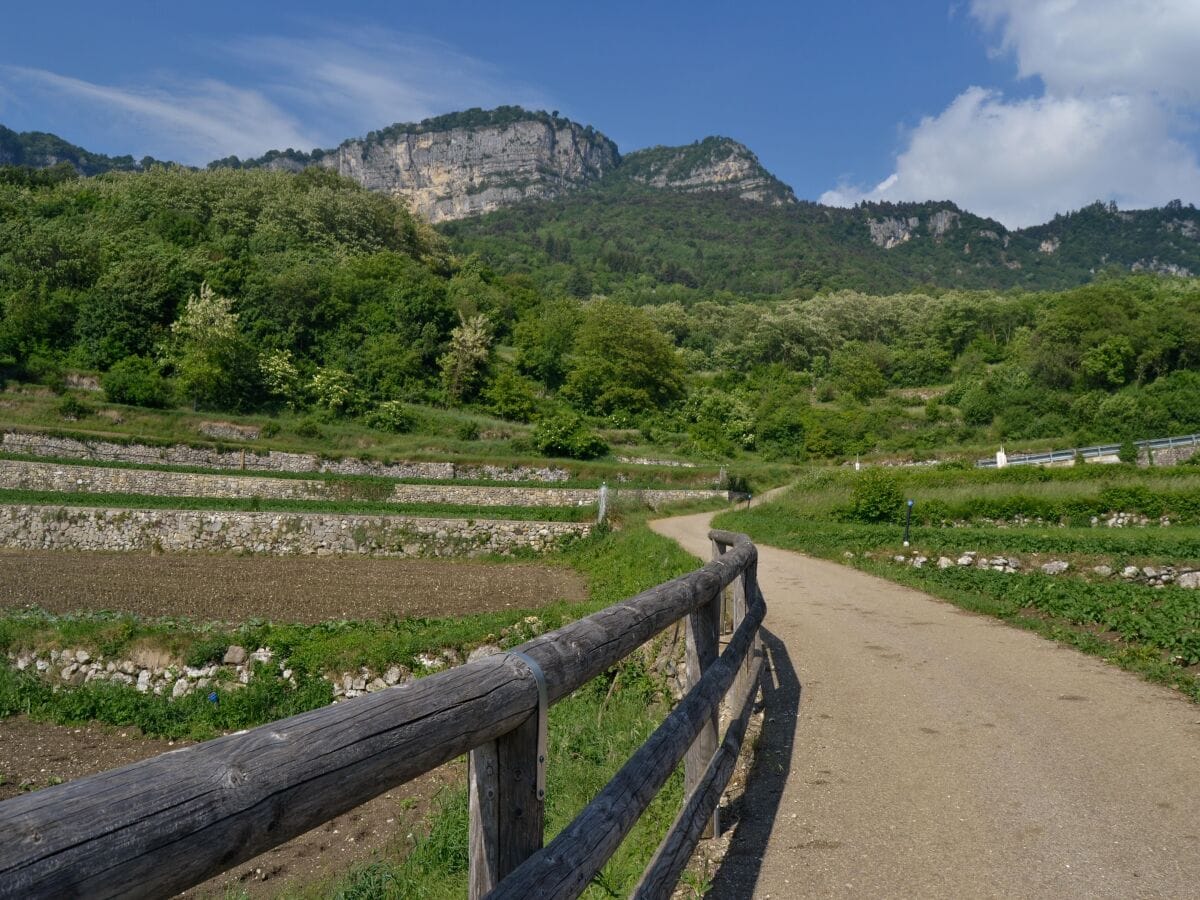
[{"x": 159, "y": 826}]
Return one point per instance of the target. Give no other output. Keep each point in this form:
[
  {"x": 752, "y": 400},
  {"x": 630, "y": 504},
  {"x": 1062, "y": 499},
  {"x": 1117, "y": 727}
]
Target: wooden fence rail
[{"x": 159, "y": 826}]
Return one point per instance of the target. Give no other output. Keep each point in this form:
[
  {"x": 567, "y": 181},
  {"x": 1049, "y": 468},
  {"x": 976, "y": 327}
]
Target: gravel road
[{"x": 914, "y": 750}]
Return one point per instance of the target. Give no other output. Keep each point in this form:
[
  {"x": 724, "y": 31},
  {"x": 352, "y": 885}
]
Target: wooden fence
[{"x": 159, "y": 826}]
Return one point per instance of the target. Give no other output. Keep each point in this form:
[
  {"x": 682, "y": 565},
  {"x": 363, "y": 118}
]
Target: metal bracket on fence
[{"x": 543, "y": 734}]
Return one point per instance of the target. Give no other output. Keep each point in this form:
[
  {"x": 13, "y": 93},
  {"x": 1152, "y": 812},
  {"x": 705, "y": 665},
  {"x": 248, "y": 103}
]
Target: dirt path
[{"x": 914, "y": 750}]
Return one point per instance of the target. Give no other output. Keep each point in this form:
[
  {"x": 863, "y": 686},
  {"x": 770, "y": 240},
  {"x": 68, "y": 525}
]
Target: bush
[
  {"x": 876, "y": 497},
  {"x": 1128, "y": 452},
  {"x": 567, "y": 435},
  {"x": 73, "y": 409},
  {"x": 308, "y": 428},
  {"x": 136, "y": 381},
  {"x": 46, "y": 371},
  {"x": 393, "y": 416},
  {"x": 467, "y": 431}
]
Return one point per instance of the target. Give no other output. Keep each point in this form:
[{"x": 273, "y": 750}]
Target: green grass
[
  {"x": 592, "y": 734},
  {"x": 615, "y": 563},
  {"x": 373, "y": 484},
  {"x": 1155, "y": 632},
  {"x": 436, "y": 439}
]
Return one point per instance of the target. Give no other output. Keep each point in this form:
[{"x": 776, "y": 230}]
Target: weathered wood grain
[
  {"x": 158, "y": 826},
  {"x": 671, "y": 858},
  {"x": 483, "y": 838},
  {"x": 703, "y": 646},
  {"x": 164, "y": 824},
  {"x": 520, "y": 810},
  {"x": 565, "y": 867}
]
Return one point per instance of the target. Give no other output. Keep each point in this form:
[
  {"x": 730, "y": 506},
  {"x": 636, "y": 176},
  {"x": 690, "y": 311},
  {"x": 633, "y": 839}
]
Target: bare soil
[
  {"x": 35, "y": 755},
  {"x": 282, "y": 589}
]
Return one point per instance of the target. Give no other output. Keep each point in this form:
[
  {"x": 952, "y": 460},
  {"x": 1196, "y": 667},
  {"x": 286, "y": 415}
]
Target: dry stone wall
[
  {"x": 91, "y": 528},
  {"x": 35, "y": 444},
  {"x": 34, "y": 476}
]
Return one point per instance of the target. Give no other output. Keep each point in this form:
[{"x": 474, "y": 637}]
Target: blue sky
[{"x": 1012, "y": 108}]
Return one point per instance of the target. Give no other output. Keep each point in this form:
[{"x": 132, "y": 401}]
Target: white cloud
[
  {"x": 1102, "y": 46},
  {"x": 309, "y": 92},
  {"x": 1022, "y": 161},
  {"x": 1122, "y": 85}
]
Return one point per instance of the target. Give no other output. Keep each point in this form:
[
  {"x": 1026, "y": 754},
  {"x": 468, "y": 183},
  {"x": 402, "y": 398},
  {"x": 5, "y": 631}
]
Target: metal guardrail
[{"x": 1052, "y": 456}]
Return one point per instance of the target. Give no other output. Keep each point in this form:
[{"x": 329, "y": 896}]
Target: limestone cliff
[
  {"x": 473, "y": 162},
  {"x": 713, "y": 164},
  {"x": 470, "y": 163}
]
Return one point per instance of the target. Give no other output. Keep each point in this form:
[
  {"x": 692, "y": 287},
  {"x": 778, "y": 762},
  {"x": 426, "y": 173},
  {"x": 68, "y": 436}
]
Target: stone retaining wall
[
  {"x": 1167, "y": 456},
  {"x": 32, "y": 476},
  {"x": 34, "y": 444},
  {"x": 89, "y": 528}
]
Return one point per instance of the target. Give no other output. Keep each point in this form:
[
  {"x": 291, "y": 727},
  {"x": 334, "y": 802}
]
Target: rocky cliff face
[
  {"x": 470, "y": 163},
  {"x": 467, "y": 169},
  {"x": 713, "y": 164}
]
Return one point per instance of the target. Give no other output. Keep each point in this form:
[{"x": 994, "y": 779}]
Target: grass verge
[{"x": 1155, "y": 632}]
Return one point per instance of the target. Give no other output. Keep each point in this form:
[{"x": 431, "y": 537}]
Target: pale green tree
[
  {"x": 465, "y": 364},
  {"x": 214, "y": 363}
]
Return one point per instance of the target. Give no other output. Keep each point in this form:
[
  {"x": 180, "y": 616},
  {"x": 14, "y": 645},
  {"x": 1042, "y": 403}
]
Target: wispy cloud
[
  {"x": 308, "y": 92},
  {"x": 191, "y": 123},
  {"x": 354, "y": 80},
  {"x": 1120, "y": 95}
]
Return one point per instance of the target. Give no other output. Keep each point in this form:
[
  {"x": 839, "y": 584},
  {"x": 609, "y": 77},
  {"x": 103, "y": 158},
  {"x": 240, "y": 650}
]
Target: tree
[
  {"x": 464, "y": 365},
  {"x": 544, "y": 337},
  {"x": 214, "y": 363},
  {"x": 622, "y": 363}
]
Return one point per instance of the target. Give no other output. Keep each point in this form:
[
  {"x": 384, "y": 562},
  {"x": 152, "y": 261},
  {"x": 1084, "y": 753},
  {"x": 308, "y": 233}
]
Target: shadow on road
[{"x": 752, "y": 816}]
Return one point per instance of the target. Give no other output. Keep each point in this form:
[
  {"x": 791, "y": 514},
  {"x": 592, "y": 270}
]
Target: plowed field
[{"x": 282, "y": 589}]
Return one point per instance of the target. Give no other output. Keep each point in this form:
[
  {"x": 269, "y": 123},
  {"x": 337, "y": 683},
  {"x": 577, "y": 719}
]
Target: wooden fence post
[
  {"x": 703, "y": 647},
  {"x": 507, "y": 815},
  {"x": 483, "y": 800}
]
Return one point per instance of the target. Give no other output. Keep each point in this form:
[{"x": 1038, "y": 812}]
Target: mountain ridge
[{"x": 536, "y": 193}]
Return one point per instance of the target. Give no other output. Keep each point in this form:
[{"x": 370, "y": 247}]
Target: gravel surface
[
  {"x": 291, "y": 589},
  {"x": 911, "y": 749}
]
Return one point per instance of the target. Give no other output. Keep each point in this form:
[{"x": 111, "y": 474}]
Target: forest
[{"x": 255, "y": 291}]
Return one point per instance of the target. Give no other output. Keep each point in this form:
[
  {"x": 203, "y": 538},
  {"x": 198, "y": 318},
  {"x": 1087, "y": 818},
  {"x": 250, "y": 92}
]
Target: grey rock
[
  {"x": 235, "y": 655},
  {"x": 1055, "y": 567},
  {"x": 1189, "y": 580},
  {"x": 482, "y": 651},
  {"x": 1102, "y": 571}
]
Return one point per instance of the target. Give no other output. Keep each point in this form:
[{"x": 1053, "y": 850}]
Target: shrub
[
  {"x": 1128, "y": 452},
  {"x": 135, "y": 380},
  {"x": 467, "y": 431},
  {"x": 393, "y": 416},
  {"x": 308, "y": 428},
  {"x": 876, "y": 497},
  {"x": 71, "y": 408},
  {"x": 567, "y": 435}
]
